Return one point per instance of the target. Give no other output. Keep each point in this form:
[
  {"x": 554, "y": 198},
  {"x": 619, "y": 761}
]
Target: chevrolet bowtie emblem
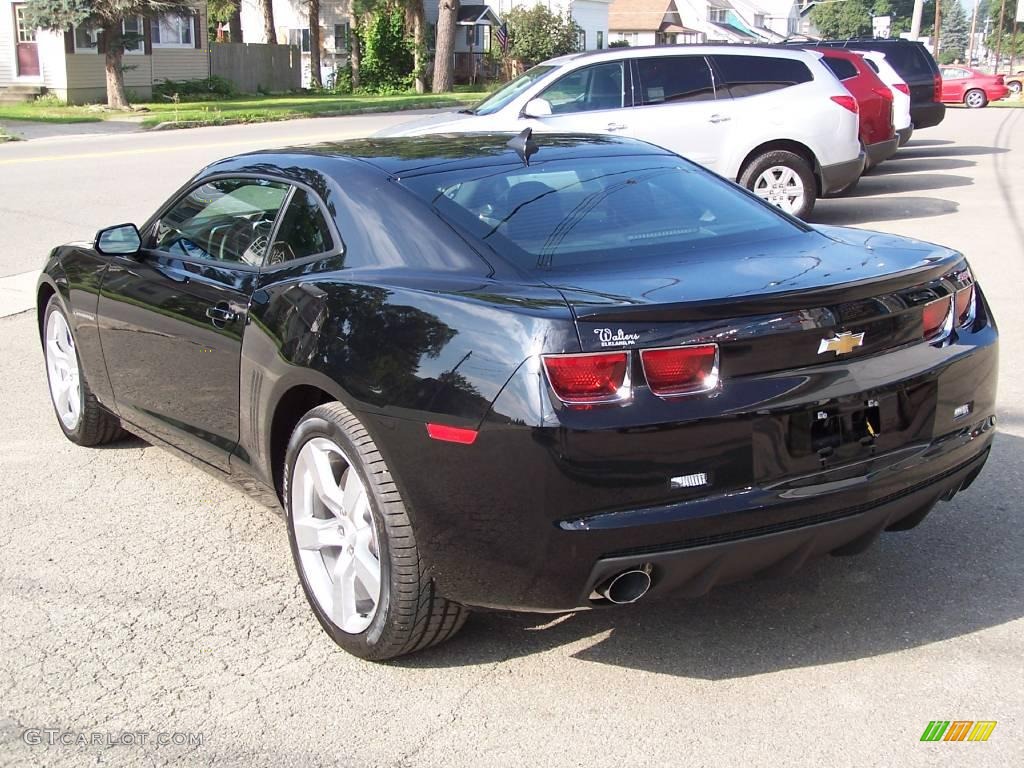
[{"x": 841, "y": 344}]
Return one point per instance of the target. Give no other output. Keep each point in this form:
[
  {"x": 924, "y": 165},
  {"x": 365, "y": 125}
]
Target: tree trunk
[
  {"x": 314, "y": 44},
  {"x": 444, "y": 65},
  {"x": 419, "y": 45},
  {"x": 114, "y": 45},
  {"x": 235, "y": 22},
  {"x": 355, "y": 52},
  {"x": 268, "y": 21}
]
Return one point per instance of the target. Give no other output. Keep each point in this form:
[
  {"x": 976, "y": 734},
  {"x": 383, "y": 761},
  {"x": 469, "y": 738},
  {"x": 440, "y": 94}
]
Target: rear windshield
[{"x": 611, "y": 211}]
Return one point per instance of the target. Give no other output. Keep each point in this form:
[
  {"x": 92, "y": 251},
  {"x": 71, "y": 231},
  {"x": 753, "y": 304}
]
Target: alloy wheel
[
  {"x": 781, "y": 186},
  {"x": 975, "y": 99},
  {"x": 62, "y": 367},
  {"x": 332, "y": 520}
]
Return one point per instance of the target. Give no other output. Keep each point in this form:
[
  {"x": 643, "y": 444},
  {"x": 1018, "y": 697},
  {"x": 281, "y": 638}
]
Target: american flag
[{"x": 502, "y": 34}]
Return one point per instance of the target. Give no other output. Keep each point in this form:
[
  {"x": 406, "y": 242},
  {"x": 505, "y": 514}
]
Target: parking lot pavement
[{"x": 140, "y": 596}]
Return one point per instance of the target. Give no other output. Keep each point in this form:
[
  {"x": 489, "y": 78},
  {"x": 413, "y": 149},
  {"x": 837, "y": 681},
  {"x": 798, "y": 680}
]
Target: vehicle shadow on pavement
[
  {"x": 852, "y": 211},
  {"x": 912, "y": 151},
  {"x": 956, "y": 573},
  {"x": 909, "y": 182},
  {"x": 899, "y": 165}
]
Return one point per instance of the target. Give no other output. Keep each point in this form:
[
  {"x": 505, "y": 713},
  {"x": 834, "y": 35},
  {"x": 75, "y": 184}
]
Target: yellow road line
[{"x": 271, "y": 144}]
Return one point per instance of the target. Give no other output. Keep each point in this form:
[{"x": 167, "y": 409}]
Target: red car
[
  {"x": 963, "y": 85},
  {"x": 874, "y": 101}
]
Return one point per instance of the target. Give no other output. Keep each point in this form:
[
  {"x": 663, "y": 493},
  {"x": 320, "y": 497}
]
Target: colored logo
[
  {"x": 958, "y": 730},
  {"x": 841, "y": 344}
]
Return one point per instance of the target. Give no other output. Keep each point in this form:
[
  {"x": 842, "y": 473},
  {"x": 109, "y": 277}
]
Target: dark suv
[{"x": 915, "y": 65}]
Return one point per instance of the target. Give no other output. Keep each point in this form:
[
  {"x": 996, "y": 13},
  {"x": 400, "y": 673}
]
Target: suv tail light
[
  {"x": 937, "y": 318},
  {"x": 938, "y": 87},
  {"x": 847, "y": 102},
  {"x": 589, "y": 378},
  {"x": 672, "y": 371},
  {"x": 902, "y": 88},
  {"x": 964, "y": 306},
  {"x": 884, "y": 92}
]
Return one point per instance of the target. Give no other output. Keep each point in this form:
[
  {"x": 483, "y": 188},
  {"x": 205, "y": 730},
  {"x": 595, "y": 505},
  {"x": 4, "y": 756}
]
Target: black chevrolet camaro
[{"x": 487, "y": 371}]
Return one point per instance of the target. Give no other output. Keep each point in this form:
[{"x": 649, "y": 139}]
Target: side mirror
[
  {"x": 122, "y": 240},
  {"x": 537, "y": 108}
]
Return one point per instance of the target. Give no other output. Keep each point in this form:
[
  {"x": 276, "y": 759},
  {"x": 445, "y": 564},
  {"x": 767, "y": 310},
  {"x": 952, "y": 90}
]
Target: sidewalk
[
  {"x": 18, "y": 293},
  {"x": 30, "y": 130}
]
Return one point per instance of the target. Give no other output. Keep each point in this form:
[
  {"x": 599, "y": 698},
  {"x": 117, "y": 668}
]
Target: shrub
[
  {"x": 208, "y": 89},
  {"x": 387, "y": 61}
]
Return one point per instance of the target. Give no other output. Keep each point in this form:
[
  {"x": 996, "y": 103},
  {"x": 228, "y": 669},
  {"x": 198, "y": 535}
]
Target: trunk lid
[{"x": 769, "y": 309}]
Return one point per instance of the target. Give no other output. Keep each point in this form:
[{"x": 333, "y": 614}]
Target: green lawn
[{"x": 243, "y": 109}]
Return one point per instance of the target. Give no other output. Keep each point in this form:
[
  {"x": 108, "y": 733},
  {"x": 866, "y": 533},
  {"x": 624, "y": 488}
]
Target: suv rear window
[
  {"x": 607, "y": 211},
  {"x": 674, "y": 79},
  {"x": 750, "y": 75},
  {"x": 841, "y": 68}
]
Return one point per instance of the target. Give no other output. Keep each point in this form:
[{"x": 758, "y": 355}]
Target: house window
[
  {"x": 583, "y": 40},
  {"x": 431, "y": 36},
  {"x": 600, "y": 39},
  {"x": 473, "y": 36},
  {"x": 86, "y": 39},
  {"x": 341, "y": 33},
  {"x": 172, "y": 30},
  {"x": 300, "y": 38},
  {"x": 718, "y": 15}
]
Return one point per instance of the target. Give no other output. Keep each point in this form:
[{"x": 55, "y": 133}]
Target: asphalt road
[{"x": 140, "y": 595}]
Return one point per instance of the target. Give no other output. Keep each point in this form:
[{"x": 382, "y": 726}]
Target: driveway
[{"x": 140, "y": 597}]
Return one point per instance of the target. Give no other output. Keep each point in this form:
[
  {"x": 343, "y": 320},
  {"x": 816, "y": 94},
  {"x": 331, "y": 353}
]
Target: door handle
[
  {"x": 221, "y": 314},
  {"x": 615, "y": 127},
  {"x": 719, "y": 119}
]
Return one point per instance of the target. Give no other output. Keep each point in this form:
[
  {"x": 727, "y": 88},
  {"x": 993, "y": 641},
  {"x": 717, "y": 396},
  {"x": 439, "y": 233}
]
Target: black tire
[
  {"x": 977, "y": 104},
  {"x": 791, "y": 160},
  {"x": 96, "y": 425},
  {"x": 410, "y": 615},
  {"x": 1014, "y": 86}
]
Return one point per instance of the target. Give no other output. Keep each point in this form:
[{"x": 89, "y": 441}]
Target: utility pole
[
  {"x": 1013, "y": 50},
  {"x": 915, "y": 20},
  {"x": 937, "y": 42},
  {"x": 999, "y": 40},
  {"x": 970, "y": 43}
]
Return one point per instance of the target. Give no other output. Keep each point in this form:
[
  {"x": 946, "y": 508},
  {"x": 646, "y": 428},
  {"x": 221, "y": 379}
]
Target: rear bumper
[
  {"x": 693, "y": 570},
  {"x": 881, "y": 151},
  {"x": 903, "y": 135},
  {"x": 927, "y": 115},
  {"x": 840, "y": 175}
]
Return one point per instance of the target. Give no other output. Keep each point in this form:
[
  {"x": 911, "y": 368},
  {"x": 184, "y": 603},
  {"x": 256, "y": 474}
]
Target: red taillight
[
  {"x": 588, "y": 379},
  {"x": 681, "y": 370},
  {"x": 884, "y": 92},
  {"x": 938, "y": 87},
  {"x": 902, "y": 88},
  {"x": 935, "y": 317},
  {"x": 964, "y": 306},
  {"x": 847, "y": 102},
  {"x": 452, "y": 434}
]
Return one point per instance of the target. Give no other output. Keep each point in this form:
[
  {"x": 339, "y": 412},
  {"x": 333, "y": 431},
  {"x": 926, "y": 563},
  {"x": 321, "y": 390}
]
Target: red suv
[{"x": 873, "y": 100}]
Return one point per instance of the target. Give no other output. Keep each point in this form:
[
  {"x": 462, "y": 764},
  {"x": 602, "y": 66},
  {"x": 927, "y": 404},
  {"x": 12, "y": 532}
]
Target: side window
[
  {"x": 841, "y": 68},
  {"x": 751, "y": 75},
  {"x": 588, "y": 89},
  {"x": 303, "y": 231},
  {"x": 668, "y": 79},
  {"x": 226, "y": 220}
]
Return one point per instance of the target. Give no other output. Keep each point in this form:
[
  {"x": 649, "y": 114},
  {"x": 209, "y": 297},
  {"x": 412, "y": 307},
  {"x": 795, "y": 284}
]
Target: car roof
[
  {"x": 416, "y": 155},
  {"x": 688, "y": 49}
]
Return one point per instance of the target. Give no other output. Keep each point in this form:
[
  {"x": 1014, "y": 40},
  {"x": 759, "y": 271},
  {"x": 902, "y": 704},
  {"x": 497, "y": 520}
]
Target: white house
[
  {"x": 71, "y": 63},
  {"x": 649, "y": 22},
  {"x": 664, "y": 22},
  {"x": 590, "y": 15}
]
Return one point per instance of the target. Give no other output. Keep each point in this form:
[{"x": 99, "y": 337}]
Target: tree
[
  {"x": 536, "y": 34},
  {"x": 314, "y": 44},
  {"x": 955, "y": 29},
  {"x": 108, "y": 17},
  {"x": 416, "y": 21},
  {"x": 227, "y": 12},
  {"x": 835, "y": 21},
  {"x": 269, "y": 32},
  {"x": 444, "y": 51}
]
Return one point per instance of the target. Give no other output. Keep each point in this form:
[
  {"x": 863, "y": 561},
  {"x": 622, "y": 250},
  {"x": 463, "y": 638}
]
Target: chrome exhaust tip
[{"x": 626, "y": 587}]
